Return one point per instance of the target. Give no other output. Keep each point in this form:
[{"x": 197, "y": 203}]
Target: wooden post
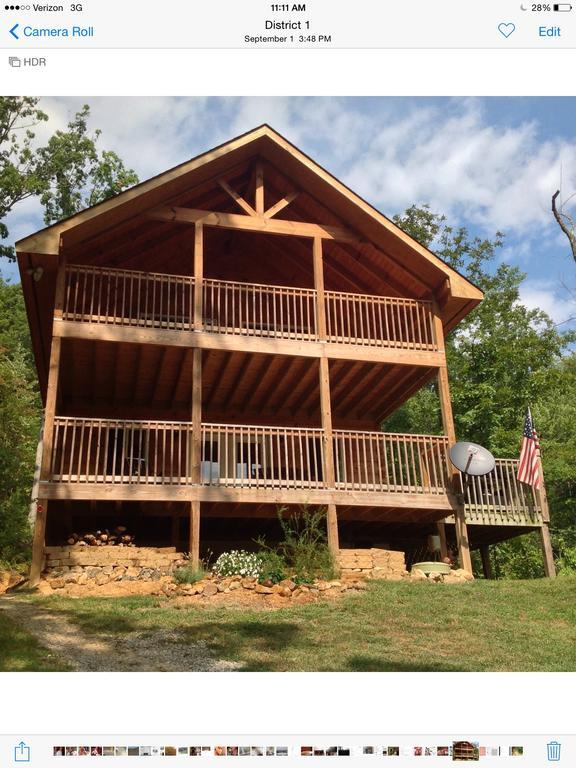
[
  {"x": 319, "y": 287},
  {"x": 450, "y": 432},
  {"x": 198, "y": 274},
  {"x": 549, "y": 566},
  {"x": 34, "y": 496},
  {"x": 196, "y": 452},
  {"x": 259, "y": 194},
  {"x": 38, "y": 540},
  {"x": 486, "y": 564},
  {"x": 441, "y": 528},
  {"x": 48, "y": 432},
  {"x": 325, "y": 403}
]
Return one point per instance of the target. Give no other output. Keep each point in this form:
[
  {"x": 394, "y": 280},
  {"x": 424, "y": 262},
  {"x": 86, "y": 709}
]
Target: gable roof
[
  {"x": 266, "y": 142},
  {"x": 385, "y": 248}
]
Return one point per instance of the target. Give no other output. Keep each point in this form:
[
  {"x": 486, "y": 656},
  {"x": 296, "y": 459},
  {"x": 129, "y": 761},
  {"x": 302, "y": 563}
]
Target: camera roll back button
[{"x": 544, "y": 31}]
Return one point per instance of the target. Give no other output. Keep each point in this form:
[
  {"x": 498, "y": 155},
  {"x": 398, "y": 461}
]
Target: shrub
[
  {"x": 273, "y": 565},
  {"x": 238, "y": 562},
  {"x": 188, "y": 575},
  {"x": 304, "y": 546}
]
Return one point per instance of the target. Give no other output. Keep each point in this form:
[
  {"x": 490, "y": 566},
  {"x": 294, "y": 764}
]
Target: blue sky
[{"x": 487, "y": 163}]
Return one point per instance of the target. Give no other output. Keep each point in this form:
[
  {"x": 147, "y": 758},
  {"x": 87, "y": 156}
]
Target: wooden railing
[
  {"x": 145, "y": 299},
  {"x": 271, "y": 457},
  {"x": 127, "y": 297},
  {"x": 379, "y": 321},
  {"x": 259, "y": 310},
  {"x": 119, "y": 452},
  {"x": 379, "y": 461},
  {"x": 107, "y": 451},
  {"x": 499, "y": 498}
]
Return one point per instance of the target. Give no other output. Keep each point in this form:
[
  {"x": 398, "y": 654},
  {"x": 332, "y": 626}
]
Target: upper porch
[{"x": 132, "y": 305}]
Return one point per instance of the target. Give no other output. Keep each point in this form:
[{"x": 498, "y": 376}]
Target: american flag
[{"x": 528, "y": 469}]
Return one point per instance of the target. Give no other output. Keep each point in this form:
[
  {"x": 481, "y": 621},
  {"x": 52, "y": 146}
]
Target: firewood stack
[{"x": 117, "y": 538}]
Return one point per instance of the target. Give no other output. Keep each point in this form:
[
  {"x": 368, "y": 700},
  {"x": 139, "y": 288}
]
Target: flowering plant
[{"x": 238, "y": 563}]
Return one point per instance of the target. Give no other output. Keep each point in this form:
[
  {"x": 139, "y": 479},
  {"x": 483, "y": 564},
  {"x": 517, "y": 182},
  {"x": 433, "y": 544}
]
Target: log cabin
[{"x": 228, "y": 337}]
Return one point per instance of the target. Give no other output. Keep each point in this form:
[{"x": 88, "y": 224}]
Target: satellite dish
[{"x": 472, "y": 459}]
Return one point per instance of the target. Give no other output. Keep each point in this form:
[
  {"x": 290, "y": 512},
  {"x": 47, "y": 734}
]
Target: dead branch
[{"x": 569, "y": 228}]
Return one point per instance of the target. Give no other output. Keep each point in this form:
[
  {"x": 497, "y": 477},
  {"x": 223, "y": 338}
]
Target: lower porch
[{"x": 224, "y": 526}]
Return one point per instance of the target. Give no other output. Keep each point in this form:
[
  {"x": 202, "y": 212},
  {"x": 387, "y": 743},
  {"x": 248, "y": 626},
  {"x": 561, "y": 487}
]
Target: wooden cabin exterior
[{"x": 227, "y": 337}]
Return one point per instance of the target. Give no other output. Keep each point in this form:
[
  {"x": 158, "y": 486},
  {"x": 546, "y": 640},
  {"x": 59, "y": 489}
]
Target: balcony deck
[
  {"x": 118, "y": 459},
  {"x": 133, "y": 299},
  {"x": 141, "y": 460}
]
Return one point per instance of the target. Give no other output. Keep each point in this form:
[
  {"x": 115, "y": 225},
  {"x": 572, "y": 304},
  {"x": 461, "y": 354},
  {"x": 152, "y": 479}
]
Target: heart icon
[{"x": 506, "y": 29}]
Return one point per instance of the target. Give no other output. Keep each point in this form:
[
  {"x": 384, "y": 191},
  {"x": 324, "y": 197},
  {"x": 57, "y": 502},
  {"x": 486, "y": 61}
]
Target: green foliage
[
  {"x": 68, "y": 174},
  {"x": 304, "y": 547},
  {"x": 81, "y": 176},
  {"x": 19, "y": 429},
  {"x": 519, "y": 558},
  {"x": 19, "y": 426},
  {"x": 502, "y": 358},
  {"x": 273, "y": 566},
  {"x": 21, "y": 171},
  {"x": 188, "y": 575}
]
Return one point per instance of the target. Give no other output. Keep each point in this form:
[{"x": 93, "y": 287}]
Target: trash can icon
[{"x": 553, "y": 751}]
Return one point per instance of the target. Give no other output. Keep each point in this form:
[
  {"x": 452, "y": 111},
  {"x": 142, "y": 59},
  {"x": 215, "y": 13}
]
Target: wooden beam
[
  {"x": 198, "y": 274},
  {"x": 486, "y": 564},
  {"x": 450, "y": 432},
  {"x": 319, "y": 286},
  {"x": 178, "y": 380},
  {"x": 308, "y": 392},
  {"x": 159, "y": 373},
  {"x": 441, "y": 528},
  {"x": 280, "y": 205},
  {"x": 246, "y": 207},
  {"x": 267, "y": 363},
  {"x": 548, "y": 554},
  {"x": 194, "y": 540},
  {"x": 239, "y": 377},
  {"x": 253, "y": 223},
  {"x": 259, "y": 193},
  {"x": 38, "y": 542},
  {"x": 196, "y": 436},
  {"x": 429, "y": 507},
  {"x": 236, "y": 342}
]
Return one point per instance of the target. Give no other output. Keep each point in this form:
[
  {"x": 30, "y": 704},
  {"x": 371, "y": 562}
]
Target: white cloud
[
  {"x": 554, "y": 299},
  {"x": 452, "y": 158}
]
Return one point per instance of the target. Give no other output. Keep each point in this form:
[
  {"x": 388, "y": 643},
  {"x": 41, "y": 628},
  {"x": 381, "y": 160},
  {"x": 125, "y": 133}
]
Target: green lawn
[
  {"x": 505, "y": 625},
  {"x": 19, "y": 652}
]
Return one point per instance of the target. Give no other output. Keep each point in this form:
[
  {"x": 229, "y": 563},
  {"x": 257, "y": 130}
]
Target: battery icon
[{"x": 562, "y": 7}]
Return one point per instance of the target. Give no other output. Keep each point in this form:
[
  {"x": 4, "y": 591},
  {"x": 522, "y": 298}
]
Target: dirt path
[{"x": 157, "y": 651}]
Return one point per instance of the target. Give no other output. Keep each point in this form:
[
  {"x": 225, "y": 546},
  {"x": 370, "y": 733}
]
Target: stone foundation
[
  {"x": 371, "y": 564},
  {"x": 79, "y": 565}
]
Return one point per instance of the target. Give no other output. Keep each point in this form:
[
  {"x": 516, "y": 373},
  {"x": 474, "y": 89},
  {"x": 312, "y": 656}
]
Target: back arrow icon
[{"x": 13, "y": 31}]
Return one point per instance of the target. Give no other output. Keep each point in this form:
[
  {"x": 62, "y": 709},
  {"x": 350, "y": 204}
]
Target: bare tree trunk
[{"x": 566, "y": 223}]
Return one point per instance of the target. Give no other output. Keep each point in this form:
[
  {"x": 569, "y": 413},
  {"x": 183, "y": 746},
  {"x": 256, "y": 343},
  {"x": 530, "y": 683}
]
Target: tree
[
  {"x": 20, "y": 414},
  {"x": 80, "y": 175},
  {"x": 566, "y": 223},
  {"x": 501, "y": 358},
  {"x": 68, "y": 174},
  {"x": 21, "y": 171}
]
